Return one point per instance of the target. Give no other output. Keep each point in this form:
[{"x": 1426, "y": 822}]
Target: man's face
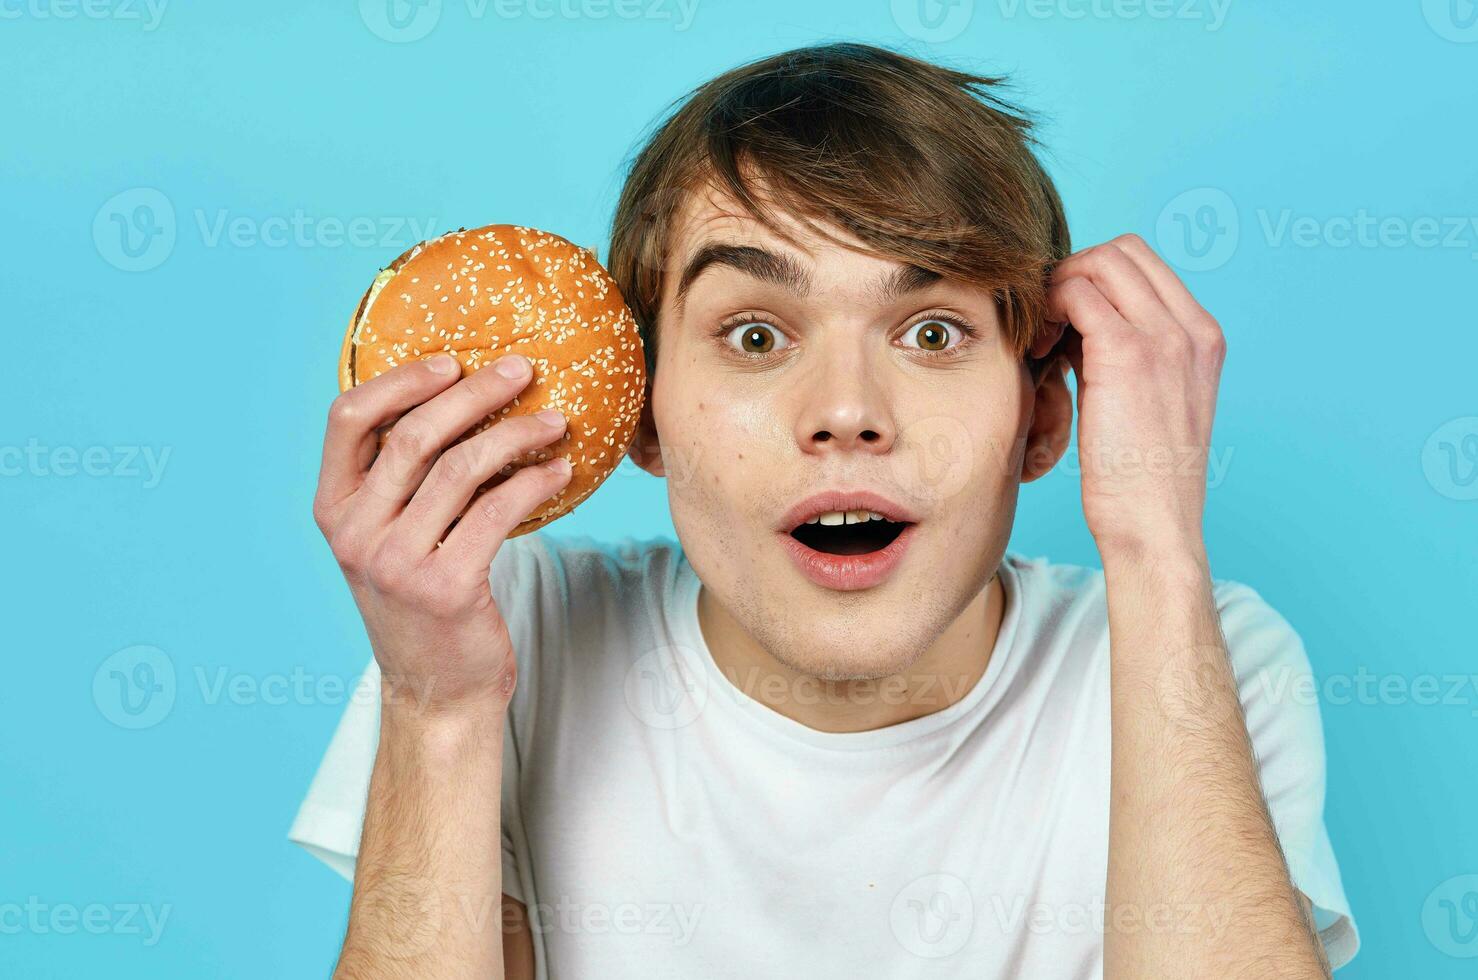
[{"x": 796, "y": 369}]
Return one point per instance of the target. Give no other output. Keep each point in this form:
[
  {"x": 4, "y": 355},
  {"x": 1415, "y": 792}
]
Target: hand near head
[
  {"x": 423, "y": 590},
  {"x": 1148, "y": 362}
]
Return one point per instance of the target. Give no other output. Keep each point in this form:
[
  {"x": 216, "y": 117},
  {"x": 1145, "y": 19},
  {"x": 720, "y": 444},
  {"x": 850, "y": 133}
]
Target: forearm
[
  {"x": 1191, "y": 842},
  {"x": 428, "y": 882}
]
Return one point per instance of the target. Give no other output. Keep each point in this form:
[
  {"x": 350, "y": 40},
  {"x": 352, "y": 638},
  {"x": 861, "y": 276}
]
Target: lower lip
[{"x": 848, "y": 573}]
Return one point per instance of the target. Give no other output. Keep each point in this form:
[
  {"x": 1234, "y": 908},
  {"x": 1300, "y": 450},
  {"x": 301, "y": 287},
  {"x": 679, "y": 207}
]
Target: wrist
[
  {"x": 1176, "y": 554},
  {"x": 410, "y": 714}
]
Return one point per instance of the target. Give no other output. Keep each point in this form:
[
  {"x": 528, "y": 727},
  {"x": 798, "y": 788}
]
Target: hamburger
[{"x": 482, "y": 293}]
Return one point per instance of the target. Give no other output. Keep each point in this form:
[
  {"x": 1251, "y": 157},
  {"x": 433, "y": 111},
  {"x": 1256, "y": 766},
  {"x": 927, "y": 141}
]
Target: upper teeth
[{"x": 846, "y": 517}]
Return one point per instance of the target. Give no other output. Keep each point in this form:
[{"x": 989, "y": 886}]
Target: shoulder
[
  {"x": 1065, "y": 605},
  {"x": 575, "y": 571},
  {"x": 576, "y": 605},
  {"x": 582, "y": 556}
]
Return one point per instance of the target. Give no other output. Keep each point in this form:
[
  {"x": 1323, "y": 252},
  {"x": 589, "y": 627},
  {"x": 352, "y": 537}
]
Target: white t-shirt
[{"x": 660, "y": 822}]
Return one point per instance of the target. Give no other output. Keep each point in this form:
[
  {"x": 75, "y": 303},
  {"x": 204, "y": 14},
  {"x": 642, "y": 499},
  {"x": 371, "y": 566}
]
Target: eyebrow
[{"x": 783, "y": 271}]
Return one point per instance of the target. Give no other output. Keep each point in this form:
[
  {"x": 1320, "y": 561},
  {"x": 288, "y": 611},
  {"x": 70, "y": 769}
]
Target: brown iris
[
  {"x": 761, "y": 337},
  {"x": 931, "y": 330}
]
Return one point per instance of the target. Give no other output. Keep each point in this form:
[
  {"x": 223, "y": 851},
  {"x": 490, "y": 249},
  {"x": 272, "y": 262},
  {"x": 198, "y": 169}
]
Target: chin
[{"x": 836, "y": 658}]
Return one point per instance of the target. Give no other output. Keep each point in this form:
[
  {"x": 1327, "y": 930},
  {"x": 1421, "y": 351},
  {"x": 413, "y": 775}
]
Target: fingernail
[
  {"x": 444, "y": 364},
  {"x": 512, "y": 366},
  {"x": 551, "y": 415},
  {"x": 560, "y": 465}
]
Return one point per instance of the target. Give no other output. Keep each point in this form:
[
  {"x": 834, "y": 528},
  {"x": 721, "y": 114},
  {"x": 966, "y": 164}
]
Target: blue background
[{"x": 1347, "y": 407}]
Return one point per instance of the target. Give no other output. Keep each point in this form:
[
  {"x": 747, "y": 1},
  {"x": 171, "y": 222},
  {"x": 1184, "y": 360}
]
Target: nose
[{"x": 844, "y": 408}]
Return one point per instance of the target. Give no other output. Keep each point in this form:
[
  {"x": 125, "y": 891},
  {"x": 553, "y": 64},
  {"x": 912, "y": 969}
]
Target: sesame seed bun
[{"x": 482, "y": 293}]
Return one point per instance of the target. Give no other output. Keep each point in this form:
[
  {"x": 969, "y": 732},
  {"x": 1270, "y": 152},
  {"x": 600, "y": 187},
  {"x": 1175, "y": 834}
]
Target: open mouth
[{"x": 859, "y": 537}]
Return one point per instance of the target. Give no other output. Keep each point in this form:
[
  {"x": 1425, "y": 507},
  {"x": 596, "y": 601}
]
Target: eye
[
  {"x": 933, "y": 335},
  {"x": 756, "y": 338}
]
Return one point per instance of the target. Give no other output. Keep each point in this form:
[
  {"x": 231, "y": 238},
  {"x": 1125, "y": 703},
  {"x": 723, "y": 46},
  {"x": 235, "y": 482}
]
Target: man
[{"x": 805, "y": 741}]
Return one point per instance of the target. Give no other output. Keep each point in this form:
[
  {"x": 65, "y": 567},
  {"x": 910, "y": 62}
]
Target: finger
[
  {"x": 1120, "y": 280},
  {"x": 1167, "y": 285},
  {"x": 1079, "y": 302},
  {"x": 494, "y": 513},
  {"x": 415, "y": 441},
  {"x": 349, "y": 442},
  {"x": 1072, "y": 352},
  {"x": 457, "y": 474}
]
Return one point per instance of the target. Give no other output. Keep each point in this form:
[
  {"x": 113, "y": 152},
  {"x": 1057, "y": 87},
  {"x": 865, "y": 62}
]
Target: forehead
[{"x": 710, "y": 214}]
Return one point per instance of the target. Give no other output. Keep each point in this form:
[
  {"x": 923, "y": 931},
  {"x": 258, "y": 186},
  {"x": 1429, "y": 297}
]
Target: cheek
[
  {"x": 965, "y": 443},
  {"x": 716, "y": 445}
]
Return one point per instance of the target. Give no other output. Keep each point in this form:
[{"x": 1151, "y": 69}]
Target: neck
[{"x": 946, "y": 672}]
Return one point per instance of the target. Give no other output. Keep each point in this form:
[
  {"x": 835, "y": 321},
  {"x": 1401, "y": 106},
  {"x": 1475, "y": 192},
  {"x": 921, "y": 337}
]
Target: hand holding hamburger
[
  {"x": 504, "y": 289},
  {"x": 436, "y": 452}
]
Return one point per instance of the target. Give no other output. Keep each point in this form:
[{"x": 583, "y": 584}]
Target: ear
[
  {"x": 1052, "y": 421},
  {"x": 646, "y": 449}
]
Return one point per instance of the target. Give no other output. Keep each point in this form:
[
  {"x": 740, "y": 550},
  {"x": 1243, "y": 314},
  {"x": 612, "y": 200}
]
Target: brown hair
[{"x": 924, "y": 164}]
